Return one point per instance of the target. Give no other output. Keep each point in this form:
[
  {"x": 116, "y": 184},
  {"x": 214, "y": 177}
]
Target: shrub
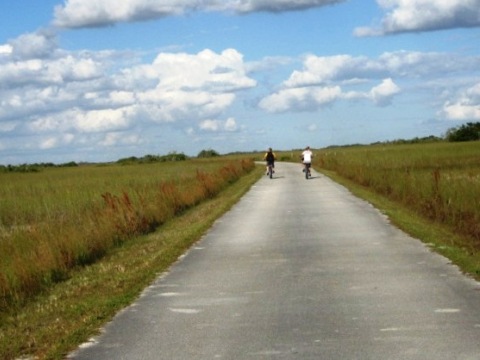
[
  {"x": 207, "y": 153},
  {"x": 466, "y": 132}
]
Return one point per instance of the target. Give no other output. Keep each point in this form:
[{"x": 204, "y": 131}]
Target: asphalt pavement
[{"x": 300, "y": 269}]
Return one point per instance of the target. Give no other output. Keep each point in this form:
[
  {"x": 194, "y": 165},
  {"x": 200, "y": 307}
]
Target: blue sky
[{"x": 99, "y": 80}]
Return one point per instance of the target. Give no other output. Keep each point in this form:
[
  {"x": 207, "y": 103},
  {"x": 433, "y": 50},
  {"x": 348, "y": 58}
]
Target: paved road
[{"x": 300, "y": 269}]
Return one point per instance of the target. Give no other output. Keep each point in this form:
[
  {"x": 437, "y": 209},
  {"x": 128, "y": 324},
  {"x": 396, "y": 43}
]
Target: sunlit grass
[
  {"x": 54, "y": 220},
  {"x": 440, "y": 181}
]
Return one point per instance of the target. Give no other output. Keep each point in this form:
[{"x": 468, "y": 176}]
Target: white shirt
[{"x": 307, "y": 156}]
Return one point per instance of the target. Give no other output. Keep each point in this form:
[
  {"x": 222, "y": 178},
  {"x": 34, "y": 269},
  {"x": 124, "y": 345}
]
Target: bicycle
[
  {"x": 307, "y": 171},
  {"x": 270, "y": 171}
]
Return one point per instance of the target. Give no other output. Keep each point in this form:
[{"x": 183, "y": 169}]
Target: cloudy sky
[{"x": 99, "y": 80}]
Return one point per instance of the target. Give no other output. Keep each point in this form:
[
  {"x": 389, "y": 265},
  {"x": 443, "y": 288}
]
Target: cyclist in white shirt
[{"x": 307, "y": 158}]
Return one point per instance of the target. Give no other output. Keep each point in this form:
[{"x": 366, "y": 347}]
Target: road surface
[{"x": 300, "y": 269}]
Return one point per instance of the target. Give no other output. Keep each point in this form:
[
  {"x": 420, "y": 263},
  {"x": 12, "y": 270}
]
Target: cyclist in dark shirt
[{"x": 270, "y": 157}]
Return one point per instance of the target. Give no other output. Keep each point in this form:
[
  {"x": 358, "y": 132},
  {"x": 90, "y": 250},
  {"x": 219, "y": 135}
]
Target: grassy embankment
[
  {"x": 56, "y": 222},
  {"x": 431, "y": 191}
]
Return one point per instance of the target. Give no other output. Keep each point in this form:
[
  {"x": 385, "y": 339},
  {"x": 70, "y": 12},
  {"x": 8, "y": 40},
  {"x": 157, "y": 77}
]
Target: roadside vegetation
[
  {"x": 56, "y": 219},
  {"x": 440, "y": 182},
  {"x": 437, "y": 182}
]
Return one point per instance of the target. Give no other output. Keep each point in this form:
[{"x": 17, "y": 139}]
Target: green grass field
[
  {"x": 440, "y": 181},
  {"x": 59, "y": 218}
]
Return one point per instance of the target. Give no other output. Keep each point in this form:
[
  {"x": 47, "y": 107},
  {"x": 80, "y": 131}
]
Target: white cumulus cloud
[
  {"x": 6, "y": 49},
  {"x": 96, "y": 13},
  {"x": 276, "y": 5},
  {"x": 382, "y": 94},
  {"x": 424, "y": 15},
  {"x": 465, "y": 107},
  {"x": 101, "y": 97},
  {"x": 323, "y": 80},
  {"x": 228, "y": 125},
  {"x": 205, "y": 70},
  {"x": 300, "y": 99},
  {"x": 33, "y": 45}
]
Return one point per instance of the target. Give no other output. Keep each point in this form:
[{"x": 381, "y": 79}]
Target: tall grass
[
  {"x": 438, "y": 181},
  {"x": 61, "y": 218}
]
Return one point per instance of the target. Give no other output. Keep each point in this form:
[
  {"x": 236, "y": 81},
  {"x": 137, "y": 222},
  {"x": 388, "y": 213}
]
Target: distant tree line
[
  {"x": 415, "y": 140},
  {"x": 172, "y": 156},
  {"x": 467, "y": 132},
  {"x": 36, "y": 167},
  {"x": 148, "y": 159}
]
